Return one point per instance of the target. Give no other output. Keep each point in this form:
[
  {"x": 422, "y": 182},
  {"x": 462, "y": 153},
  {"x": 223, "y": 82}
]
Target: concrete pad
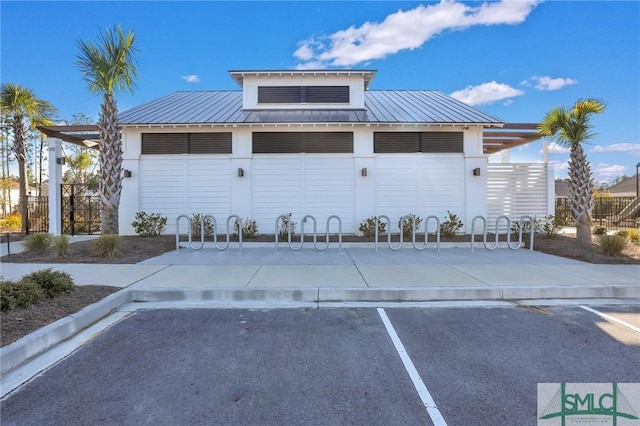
[
  {"x": 112, "y": 275},
  {"x": 307, "y": 276},
  {"x": 416, "y": 276},
  {"x": 523, "y": 275},
  {"x": 606, "y": 274},
  {"x": 14, "y": 271},
  {"x": 199, "y": 276},
  {"x": 569, "y": 292}
]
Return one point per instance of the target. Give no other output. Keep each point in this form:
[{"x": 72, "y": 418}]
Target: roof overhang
[
  {"x": 494, "y": 139},
  {"x": 239, "y": 75},
  {"x": 85, "y": 135},
  {"x": 509, "y": 136}
]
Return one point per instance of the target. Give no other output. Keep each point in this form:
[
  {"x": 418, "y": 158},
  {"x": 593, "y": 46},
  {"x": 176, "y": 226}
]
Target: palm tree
[
  {"x": 108, "y": 67},
  {"x": 24, "y": 110},
  {"x": 570, "y": 128}
]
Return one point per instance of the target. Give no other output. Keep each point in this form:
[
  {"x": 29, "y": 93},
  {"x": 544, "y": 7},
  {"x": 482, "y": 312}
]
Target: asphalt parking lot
[{"x": 455, "y": 366}]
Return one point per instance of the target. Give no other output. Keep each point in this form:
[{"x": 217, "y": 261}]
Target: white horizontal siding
[
  {"x": 175, "y": 184},
  {"x": 516, "y": 190},
  {"x": 318, "y": 185},
  {"x": 423, "y": 184}
]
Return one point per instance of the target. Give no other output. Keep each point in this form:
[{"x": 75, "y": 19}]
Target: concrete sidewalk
[{"x": 358, "y": 274}]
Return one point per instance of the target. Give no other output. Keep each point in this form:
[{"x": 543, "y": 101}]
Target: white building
[{"x": 315, "y": 142}]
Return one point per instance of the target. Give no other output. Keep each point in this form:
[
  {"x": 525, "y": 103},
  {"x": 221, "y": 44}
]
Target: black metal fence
[
  {"x": 80, "y": 210},
  {"x": 605, "y": 213},
  {"x": 37, "y": 214}
]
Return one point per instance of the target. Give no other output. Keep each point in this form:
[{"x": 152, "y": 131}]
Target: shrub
[
  {"x": 634, "y": 235},
  {"x": 249, "y": 228},
  {"x": 51, "y": 282},
  {"x": 623, "y": 233},
  {"x": 408, "y": 225},
  {"x": 149, "y": 225},
  {"x": 526, "y": 227},
  {"x": 60, "y": 245},
  {"x": 551, "y": 226},
  {"x": 12, "y": 222},
  {"x": 612, "y": 245},
  {"x": 599, "y": 230},
  {"x": 37, "y": 243},
  {"x": 285, "y": 224},
  {"x": 19, "y": 295},
  {"x": 368, "y": 227},
  {"x": 450, "y": 226},
  {"x": 195, "y": 226},
  {"x": 106, "y": 245}
]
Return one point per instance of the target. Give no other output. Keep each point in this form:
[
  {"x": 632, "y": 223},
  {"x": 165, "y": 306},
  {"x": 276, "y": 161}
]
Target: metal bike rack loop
[
  {"x": 498, "y": 220},
  {"x": 378, "y": 218},
  {"x": 426, "y": 234},
  {"x": 202, "y": 231},
  {"x": 315, "y": 233}
]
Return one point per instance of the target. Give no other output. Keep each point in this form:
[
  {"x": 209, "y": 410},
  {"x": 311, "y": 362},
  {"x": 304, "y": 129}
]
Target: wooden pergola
[{"x": 494, "y": 139}]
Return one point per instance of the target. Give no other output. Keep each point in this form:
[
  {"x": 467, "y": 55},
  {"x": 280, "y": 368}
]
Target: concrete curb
[{"x": 44, "y": 339}]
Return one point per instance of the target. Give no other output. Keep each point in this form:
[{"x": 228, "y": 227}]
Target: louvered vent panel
[
  {"x": 276, "y": 142},
  {"x": 210, "y": 143},
  {"x": 395, "y": 142},
  {"x": 326, "y": 94},
  {"x": 441, "y": 142},
  {"x": 163, "y": 143},
  {"x": 279, "y": 94},
  {"x": 327, "y": 142}
]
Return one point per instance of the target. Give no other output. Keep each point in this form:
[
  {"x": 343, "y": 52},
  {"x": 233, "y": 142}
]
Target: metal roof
[{"x": 381, "y": 107}]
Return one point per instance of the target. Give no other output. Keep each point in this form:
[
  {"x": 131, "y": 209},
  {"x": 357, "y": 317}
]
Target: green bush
[
  {"x": 149, "y": 225},
  {"x": 623, "y": 233},
  {"x": 106, "y": 245},
  {"x": 368, "y": 227},
  {"x": 195, "y": 226},
  {"x": 599, "y": 230},
  {"x": 249, "y": 229},
  {"x": 285, "y": 223},
  {"x": 450, "y": 227},
  {"x": 60, "y": 245},
  {"x": 14, "y": 295},
  {"x": 612, "y": 245},
  {"x": 407, "y": 226},
  {"x": 37, "y": 243},
  {"x": 551, "y": 226},
  {"x": 526, "y": 227},
  {"x": 51, "y": 282}
]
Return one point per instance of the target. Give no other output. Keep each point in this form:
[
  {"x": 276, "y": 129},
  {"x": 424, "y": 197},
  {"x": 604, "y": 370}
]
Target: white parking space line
[
  {"x": 610, "y": 318},
  {"x": 423, "y": 392}
]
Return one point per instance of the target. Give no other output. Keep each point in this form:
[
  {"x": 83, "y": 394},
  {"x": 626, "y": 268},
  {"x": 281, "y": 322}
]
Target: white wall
[{"x": 316, "y": 184}]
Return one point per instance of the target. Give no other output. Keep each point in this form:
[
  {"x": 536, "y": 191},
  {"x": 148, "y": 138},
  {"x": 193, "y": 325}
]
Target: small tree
[{"x": 570, "y": 128}]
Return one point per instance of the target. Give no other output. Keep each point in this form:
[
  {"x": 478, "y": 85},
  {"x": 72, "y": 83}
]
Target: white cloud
[
  {"x": 631, "y": 148},
  {"x": 546, "y": 83},
  {"x": 192, "y": 78},
  {"x": 406, "y": 30},
  {"x": 607, "y": 172},
  {"x": 486, "y": 93}
]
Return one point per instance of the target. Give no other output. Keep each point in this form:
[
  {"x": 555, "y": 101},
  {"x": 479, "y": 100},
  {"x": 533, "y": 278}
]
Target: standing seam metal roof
[{"x": 381, "y": 106}]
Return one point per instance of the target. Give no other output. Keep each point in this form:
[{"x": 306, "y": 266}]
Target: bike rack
[
  {"x": 315, "y": 233},
  {"x": 498, "y": 219},
  {"x": 215, "y": 231},
  {"x": 426, "y": 233},
  {"x": 378, "y": 218}
]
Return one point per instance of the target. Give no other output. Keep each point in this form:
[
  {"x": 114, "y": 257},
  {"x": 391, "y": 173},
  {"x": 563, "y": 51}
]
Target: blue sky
[{"x": 513, "y": 59}]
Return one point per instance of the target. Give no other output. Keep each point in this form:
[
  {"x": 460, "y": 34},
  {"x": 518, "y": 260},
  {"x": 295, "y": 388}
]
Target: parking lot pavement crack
[
  {"x": 357, "y": 269},
  {"x": 253, "y": 276},
  {"x": 150, "y": 275}
]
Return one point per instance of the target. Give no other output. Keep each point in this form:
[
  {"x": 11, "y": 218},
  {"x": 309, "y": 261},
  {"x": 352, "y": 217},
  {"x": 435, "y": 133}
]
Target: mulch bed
[{"x": 20, "y": 322}]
